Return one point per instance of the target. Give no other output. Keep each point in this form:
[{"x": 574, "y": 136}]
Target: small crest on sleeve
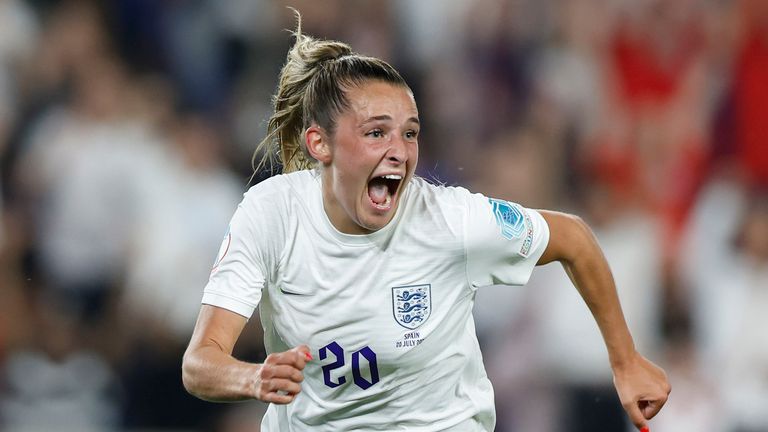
[
  {"x": 514, "y": 223},
  {"x": 509, "y": 218}
]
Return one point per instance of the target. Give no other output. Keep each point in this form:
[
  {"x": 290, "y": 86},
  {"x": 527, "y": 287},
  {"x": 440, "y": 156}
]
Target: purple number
[
  {"x": 371, "y": 357},
  {"x": 339, "y": 353}
]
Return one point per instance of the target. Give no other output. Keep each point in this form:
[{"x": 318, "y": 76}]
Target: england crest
[{"x": 412, "y": 305}]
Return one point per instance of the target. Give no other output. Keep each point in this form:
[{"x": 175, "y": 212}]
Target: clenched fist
[{"x": 279, "y": 378}]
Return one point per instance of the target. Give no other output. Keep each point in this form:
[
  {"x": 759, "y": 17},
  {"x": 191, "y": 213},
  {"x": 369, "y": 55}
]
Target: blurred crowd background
[{"x": 126, "y": 136}]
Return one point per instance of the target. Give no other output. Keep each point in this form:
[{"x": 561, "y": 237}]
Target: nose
[{"x": 397, "y": 151}]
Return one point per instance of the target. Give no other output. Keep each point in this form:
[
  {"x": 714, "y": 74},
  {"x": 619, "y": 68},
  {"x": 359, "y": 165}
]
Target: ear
[{"x": 318, "y": 144}]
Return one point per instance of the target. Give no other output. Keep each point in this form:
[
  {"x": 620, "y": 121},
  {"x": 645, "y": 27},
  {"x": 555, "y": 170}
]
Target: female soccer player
[{"x": 365, "y": 275}]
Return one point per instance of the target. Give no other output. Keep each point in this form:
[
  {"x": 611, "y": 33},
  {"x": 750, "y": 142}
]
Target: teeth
[
  {"x": 392, "y": 177},
  {"x": 386, "y": 203}
]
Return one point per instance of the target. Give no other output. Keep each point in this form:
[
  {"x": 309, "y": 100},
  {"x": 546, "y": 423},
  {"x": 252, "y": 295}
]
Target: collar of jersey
[{"x": 355, "y": 239}]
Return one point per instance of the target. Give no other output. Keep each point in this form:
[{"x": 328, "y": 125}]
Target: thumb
[
  {"x": 650, "y": 408},
  {"x": 304, "y": 351}
]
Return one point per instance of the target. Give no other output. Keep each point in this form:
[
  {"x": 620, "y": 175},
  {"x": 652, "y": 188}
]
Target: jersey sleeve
[
  {"x": 239, "y": 273},
  {"x": 504, "y": 240}
]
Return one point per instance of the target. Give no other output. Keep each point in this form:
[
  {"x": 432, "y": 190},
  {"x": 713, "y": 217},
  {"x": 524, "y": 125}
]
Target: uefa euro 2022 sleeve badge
[
  {"x": 514, "y": 222},
  {"x": 412, "y": 305}
]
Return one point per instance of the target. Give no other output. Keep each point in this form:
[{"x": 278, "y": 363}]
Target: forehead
[{"x": 377, "y": 98}]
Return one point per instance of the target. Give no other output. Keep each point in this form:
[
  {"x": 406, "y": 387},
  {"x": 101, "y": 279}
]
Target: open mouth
[{"x": 383, "y": 189}]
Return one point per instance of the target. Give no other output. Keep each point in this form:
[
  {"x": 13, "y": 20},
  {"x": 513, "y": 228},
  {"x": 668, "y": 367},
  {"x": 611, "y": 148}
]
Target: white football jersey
[{"x": 388, "y": 315}]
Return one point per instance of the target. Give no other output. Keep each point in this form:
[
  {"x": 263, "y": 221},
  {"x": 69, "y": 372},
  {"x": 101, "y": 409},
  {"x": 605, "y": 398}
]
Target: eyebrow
[{"x": 386, "y": 117}]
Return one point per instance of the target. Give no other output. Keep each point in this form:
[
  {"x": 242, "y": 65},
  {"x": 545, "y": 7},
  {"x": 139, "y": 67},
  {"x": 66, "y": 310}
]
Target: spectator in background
[
  {"x": 625, "y": 86},
  {"x": 19, "y": 31},
  {"x": 631, "y": 240},
  {"x": 700, "y": 405},
  {"x": 178, "y": 227},
  {"x": 82, "y": 167},
  {"x": 56, "y": 382},
  {"x": 741, "y": 135},
  {"x": 652, "y": 139},
  {"x": 15, "y": 327},
  {"x": 18, "y": 36},
  {"x": 726, "y": 271},
  {"x": 725, "y": 256},
  {"x": 72, "y": 51}
]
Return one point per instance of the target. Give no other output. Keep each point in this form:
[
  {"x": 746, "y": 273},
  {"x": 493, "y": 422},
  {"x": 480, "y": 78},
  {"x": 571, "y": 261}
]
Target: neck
[{"x": 335, "y": 212}]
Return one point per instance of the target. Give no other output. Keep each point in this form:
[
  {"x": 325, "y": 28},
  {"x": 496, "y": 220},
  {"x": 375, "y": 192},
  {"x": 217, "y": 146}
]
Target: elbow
[
  {"x": 581, "y": 239},
  {"x": 188, "y": 374},
  {"x": 195, "y": 376},
  {"x": 574, "y": 223},
  {"x": 581, "y": 230},
  {"x": 585, "y": 250}
]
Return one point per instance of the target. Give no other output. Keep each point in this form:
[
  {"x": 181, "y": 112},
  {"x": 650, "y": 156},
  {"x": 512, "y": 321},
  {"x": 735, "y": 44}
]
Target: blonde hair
[{"x": 312, "y": 89}]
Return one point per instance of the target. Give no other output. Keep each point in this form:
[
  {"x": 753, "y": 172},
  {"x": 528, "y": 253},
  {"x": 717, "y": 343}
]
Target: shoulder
[
  {"x": 445, "y": 208},
  {"x": 282, "y": 183},
  {"x": 281, "y": 189},
  {"x": 442, "y": 196},
  {"x": 271, "y": 209},
  {"x": 426, "y": 189}
]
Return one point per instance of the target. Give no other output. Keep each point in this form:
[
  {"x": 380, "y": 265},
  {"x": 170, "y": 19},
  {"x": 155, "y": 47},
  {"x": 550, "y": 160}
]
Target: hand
[
  {"x": 279, "y": 377},
  {"x": 643, "y": 389}
]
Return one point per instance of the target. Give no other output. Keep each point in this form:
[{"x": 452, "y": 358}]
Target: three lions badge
[{"x": 412, "y": 305}]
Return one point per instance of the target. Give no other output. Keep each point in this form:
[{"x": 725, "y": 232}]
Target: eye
[
  {"x": 411, "y": 134},
  {"x": 376, "y": 133}
]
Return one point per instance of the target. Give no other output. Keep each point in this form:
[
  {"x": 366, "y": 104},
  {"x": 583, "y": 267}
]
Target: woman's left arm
[{"x": 642, "y": 386}]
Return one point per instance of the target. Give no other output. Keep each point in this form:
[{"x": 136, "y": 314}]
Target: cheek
[{"x": 413, "y": 154}]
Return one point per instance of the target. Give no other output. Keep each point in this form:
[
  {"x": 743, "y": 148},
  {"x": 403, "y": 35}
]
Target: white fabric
[{"x": 317, "y": 286}]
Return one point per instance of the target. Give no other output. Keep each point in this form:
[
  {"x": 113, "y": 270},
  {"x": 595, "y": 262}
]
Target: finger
[
  {"x": 279, "y": 398},
  {"x": 651, "y": 408},
  {"x": 293, "y": 358},
  {"x": 279, "y": 385},
  {"x": 635, "y": 415},
  {"x": 283, "y": 371},
  {"x": 277, "y": 390}
]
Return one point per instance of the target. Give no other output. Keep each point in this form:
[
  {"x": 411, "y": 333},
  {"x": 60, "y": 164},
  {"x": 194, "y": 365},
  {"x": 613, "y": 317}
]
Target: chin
[
  {"x": 372, "y": 223},
  {"x": 371, "y": 219}
]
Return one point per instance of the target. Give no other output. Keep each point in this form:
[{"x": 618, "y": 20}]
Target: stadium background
[{"x": 126, "y": 133}]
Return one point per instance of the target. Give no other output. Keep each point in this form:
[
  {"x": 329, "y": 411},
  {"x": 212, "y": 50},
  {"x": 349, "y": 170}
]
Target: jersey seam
[
  {"x": 283, "y": 256},
  {"x": 269, "y": 193},
  {"x": 464, "y": 240},
  {"x": 256, "y": 251}
]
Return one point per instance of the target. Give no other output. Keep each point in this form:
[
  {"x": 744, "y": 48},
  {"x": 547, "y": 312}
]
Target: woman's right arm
[{"x": 211, "y": 373}]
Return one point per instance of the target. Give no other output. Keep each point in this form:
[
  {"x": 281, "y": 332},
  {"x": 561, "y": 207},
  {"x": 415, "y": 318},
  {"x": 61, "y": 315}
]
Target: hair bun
[
  {"x": 311, "y": 52},
  {"x": 315, "y": 52}
]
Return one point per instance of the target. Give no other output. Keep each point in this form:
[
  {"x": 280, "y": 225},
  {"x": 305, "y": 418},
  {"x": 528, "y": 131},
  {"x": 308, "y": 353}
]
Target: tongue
[{"x": 378, "y": 192}]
